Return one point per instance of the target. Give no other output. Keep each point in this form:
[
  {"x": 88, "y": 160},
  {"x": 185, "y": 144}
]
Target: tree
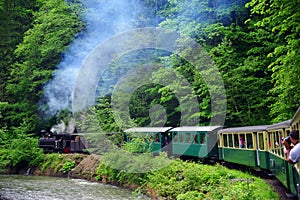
[
  {"x": 15, "y": 19},
  {"x": 281, "y": 20},
  {"x": 54, "y": 27},
  {"x": 234, "y": 46}
]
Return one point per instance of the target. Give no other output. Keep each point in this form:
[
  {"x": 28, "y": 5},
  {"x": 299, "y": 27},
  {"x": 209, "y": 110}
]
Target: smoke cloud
[{"x": 103, "y": 19}]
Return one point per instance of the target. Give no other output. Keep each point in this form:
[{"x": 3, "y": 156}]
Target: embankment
[{"x": 179, "y": 180}]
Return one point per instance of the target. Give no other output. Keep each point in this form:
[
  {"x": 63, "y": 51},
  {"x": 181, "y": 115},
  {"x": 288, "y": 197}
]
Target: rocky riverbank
[
  {"x": 180, "y": 180},
  {"x": 85, "y": 168}
]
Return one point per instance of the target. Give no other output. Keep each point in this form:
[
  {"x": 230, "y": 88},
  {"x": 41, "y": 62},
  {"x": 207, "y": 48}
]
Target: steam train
[
  {"x": 62, "y": 143},
  {"x": 259, "y": 147}
]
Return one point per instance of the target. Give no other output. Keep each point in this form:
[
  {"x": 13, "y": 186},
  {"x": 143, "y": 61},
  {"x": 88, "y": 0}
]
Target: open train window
[
  {"x": 181, "y": 137},
  {"x": 202, "y": 138},
  {"x": 261, "y": 144},
  {"x": 175, "y": 137},
  {"x": 270, "y": 141},
  {"x": 277, "y": 143},
  {"x": 188, "y": 138},
  {"x": 279, "y": 146},
  {"x": 236, "y": 140},
  {"x": 157, "y": 137},
  {"x": 195, "y": 136},
  {"x": 249, "y": 142},
  {"x": 230, "y": 140},
  {"x": 225, "y": 140},
  {"x": 242, "y": 141},
  {"x": 287, "y": 133}
]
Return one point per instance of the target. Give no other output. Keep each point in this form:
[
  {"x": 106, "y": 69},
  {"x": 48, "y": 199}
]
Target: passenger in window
[
  {"x": 242, "y": 143},
  {"x": 196, "y": 139},
  {"x": 166, "y": 142},
  {"x": 293, "y": 147},
  {"x": 156, "y": 138}
]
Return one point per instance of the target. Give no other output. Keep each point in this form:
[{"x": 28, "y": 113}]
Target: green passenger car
[
  {"x": 155, "y": 136},
  {"x": 294, "y": 172},
  {"x": 277, "y": 159},
  {"x": 196, "y": 141},
  {"x": 239, "y": 145}
]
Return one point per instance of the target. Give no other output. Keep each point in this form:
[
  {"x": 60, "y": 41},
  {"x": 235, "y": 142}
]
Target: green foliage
[
  {"x": 138, "y": 145},
  {"x": 127, "y": 168},
  {"x": 176, "y": 179},
  {"x": 104, "y": 115},
  {"x": 53, "y": 27},
  {"x": 57, "y": 163},
  {"x": 191, "y": 195},
  {"x": 253, "y": 47},
  {"x": 100, "y": 143},
  {"x": 68, "y": 166},
  {"x": 15, "y": 19},
  {"x": 19, "y": 150},
  {"x": 279, "y": 19},
  {"x": 182, "y": 179},
  {"x": 113, "y": 175},
  {"x": 52, "y": 161}
]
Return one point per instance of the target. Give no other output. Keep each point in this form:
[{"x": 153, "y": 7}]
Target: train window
[
  {"x": 279, "y": 146},
  {"x": 287, "y": 133},
  {"x": 225, "y": 140},
  {"x": 188, "y": 138},
  {"x": 202, "y": 138},
  {"x": 236, "y": 140},
  {"x": 175, "y": 137},
  {"x": 277, "y": 143},
  {"x": 181, "y": 137},
  {"x": 157, "y": 138},
  {"x": 195, "y": 136},
  {"x": 249, "y": 142},
  {"x": 230, "y": 140},
  {"x": 273, "y": 143},
  {"x": 242, "y": 141},
  {"x": 270, "y": 140},
  {"x": 261, "y": 144}
]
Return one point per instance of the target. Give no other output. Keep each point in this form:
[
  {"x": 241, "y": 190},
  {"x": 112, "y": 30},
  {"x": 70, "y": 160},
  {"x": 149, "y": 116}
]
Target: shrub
[
  {"x": 21, "y": 150},
  {"x": 184, "y": 180},
  {"x": 52, "y": 161},
  {"x": 68, "y": 166}
]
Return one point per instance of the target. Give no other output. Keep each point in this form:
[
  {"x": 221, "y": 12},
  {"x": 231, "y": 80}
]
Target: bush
[
  {"x": 184, "y": 180},
  {"x": 68, "y": 166},
  {"x": 176, "y": 179},
  {"x": 21, "y": 150},
  {"x": 138, "y": 145},
  {"x": 57, "y": 162},
  {"x": 128, "y": 168},
  {"x": 52, "y": 161}
]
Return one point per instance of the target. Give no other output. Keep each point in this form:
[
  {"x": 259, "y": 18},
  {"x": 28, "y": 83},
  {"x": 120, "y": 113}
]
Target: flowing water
[{"x": 17, "y": 187}]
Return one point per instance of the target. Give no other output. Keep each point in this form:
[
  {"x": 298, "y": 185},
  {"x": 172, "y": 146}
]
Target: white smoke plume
[{"x": 103, "y": 19}]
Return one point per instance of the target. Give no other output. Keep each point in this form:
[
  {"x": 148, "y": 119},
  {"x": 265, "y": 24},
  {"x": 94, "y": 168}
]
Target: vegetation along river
[{"x": 18, "y": 187}]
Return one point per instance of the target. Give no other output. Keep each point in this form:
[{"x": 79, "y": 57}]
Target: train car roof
[
  {"x": 196, "y": 128},
  {"x": 284, "y": 124},
  {"x": 147, "y": 129},
  {"x": 296, "y": 115},
  {"x": 244, "y": 129}
]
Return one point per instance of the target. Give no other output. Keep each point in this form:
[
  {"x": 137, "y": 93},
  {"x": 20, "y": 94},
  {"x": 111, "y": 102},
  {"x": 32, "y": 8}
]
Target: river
[{"x": 18, "y": 187}]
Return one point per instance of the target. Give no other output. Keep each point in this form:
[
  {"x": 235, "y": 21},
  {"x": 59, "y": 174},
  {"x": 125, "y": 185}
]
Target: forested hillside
[{"x": 254, "y": 44}]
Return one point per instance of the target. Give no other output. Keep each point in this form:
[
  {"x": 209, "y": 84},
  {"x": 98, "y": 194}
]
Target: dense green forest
[{"x": 254, "y": 44}]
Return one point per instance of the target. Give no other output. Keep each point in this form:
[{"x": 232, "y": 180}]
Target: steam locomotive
[{"x": 62, "y": 143}]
